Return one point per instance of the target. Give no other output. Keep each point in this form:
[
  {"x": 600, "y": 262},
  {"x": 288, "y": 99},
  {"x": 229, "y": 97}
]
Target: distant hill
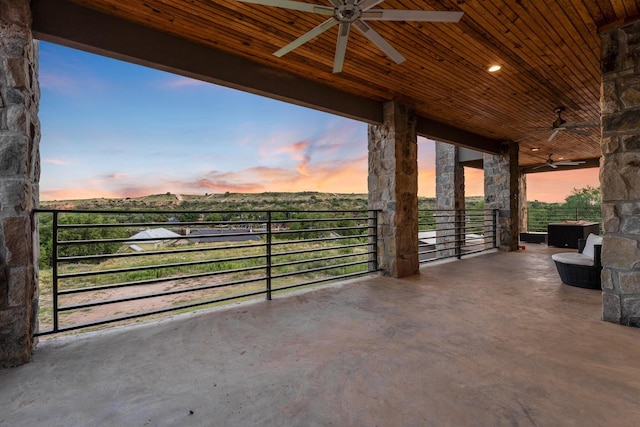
[{"x": 307, "y": 200}]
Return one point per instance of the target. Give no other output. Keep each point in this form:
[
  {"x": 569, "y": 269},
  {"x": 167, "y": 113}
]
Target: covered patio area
[{"x": 494, "y": 339}]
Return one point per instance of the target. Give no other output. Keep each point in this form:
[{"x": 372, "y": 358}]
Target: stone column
[
  {"x": 19, "y": 175},
  {"x": 449, "y": 198},
  {"x": 393, "y": 189},
  {"x": 620, "y": 174},
  {"x": 501, "y": 184}
]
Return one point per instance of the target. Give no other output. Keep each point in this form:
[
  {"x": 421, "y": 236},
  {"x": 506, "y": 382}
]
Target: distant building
[
  {"x": 211, "y": 235},
  {"x": 161, "y": 237}
]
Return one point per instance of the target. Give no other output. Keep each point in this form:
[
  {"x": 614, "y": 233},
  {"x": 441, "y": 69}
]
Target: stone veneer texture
[
  {"x": 501, "y": 192},
  {"x": 19, "y": 176},
  {"x": 393, "y": 189},
  {"x": 620, "y": 174}
]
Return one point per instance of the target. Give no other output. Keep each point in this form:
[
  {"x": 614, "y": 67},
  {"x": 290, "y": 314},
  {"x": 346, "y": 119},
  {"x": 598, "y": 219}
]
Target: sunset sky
[{"x": 112, "y": 129}]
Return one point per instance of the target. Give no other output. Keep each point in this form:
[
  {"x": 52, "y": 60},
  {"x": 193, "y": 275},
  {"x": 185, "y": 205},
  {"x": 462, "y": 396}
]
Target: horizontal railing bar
[
  {"x": 319, "y": 239},
  {"x": 158, "y": 280},
  {"x": 168, "y": 224},
  {"x": 314, "y": 270},
  {"x": 307, "y": 260},
  {"x": 330, "y": 248},
  {"x": 130, "y": 241},
  {"x": 155, "y": 267},
  {"x": 321, "y": 280},
  {"x": 318, "y": 230},
  {"x": 332, "y": 219},
  {"x": 163, "y": 252},
  {"x": 158, "y": 294},
  {"x": 151, "y": 313}
]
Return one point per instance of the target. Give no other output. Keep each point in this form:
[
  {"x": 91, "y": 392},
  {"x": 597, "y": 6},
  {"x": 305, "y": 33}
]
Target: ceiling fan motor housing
[
  {"x": 559, "y": 121},
  {"x": 347, "y": 12}
]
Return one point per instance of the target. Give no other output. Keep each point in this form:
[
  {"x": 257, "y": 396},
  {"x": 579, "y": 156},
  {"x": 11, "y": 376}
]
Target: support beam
[
  {"x": 442, "y": 132},
  {"x": 393, "y": 189}
]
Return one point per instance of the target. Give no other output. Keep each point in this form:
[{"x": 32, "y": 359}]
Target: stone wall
[
  {"x": 19, "y": 176},
  {"x": 620, "y": 174},
  {"x": 449, "y": 197},
  {"x": 393, "y": 189},
  {"x": 501, "y": 191}
]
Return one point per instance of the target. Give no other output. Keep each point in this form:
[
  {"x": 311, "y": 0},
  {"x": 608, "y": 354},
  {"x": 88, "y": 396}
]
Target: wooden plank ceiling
[{"x": 548, "y": 50}]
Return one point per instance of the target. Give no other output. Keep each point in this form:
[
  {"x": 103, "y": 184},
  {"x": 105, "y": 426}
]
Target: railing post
[
  {"x": 372, "y": 232},
  {"x": 269, "y": 256},
  {"x": 54, "y": 270},
  {"x": 458, "y": 233},
  {"x": 495, "y": 228}
]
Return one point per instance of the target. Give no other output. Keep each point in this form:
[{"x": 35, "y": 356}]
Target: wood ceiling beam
[
  {"x": 445, "y": 133},
  {"x": 68, "y": 24}
]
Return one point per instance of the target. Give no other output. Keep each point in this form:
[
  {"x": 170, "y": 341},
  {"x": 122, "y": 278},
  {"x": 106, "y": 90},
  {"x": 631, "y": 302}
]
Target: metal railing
[
  {"x": 454, "y": 233},
  {"x": 539, "y": 218},
  {"x": 92, "y": 260}
]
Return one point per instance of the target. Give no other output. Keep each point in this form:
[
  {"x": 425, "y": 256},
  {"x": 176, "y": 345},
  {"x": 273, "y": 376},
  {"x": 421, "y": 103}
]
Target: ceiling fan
[
  {"x": 550, "y": 163},
  {"x": 576, "y": 127},
  {"x": 347, "y": 13}
]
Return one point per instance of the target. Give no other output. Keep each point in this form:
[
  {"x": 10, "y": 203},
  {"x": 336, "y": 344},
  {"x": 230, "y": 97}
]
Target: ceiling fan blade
[
  {"x": 341, "y": 46},
  {"x": 294, "y": 5},
  {"x": 568, "y": 163},
  {"x": 306, "y": 37},
  {"x": 579, "y": 131},
  {"x": 366, "y": 4},
  {"x": 553, "y": 134},
  {"x": 575, "y": 125},
  {"x": 377, "y": 39},
  {"x": 553, "y": 165},
  {"x": 411, "y": 15}
]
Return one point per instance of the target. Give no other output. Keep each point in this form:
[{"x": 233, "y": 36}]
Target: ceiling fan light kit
[{"x": 346, "y": 13}]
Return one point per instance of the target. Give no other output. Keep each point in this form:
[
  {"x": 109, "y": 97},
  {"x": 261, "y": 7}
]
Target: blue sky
[{"x": 114, "y": 129}]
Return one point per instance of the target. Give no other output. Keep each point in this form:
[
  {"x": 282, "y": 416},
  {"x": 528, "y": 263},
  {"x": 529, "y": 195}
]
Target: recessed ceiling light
[
  {"x": 535, "y": 149},
  {"x": 494, "y": 68}
]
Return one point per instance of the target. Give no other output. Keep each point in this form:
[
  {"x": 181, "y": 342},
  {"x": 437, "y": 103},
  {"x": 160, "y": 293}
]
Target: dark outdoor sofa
[{"x": 581, "y": 268}]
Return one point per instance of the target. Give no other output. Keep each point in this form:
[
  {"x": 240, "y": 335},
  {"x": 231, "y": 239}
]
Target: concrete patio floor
[{"x": 493, "y": 340}]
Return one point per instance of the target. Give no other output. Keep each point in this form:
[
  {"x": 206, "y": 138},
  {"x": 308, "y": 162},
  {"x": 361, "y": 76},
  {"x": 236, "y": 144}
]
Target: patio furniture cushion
[
  {"x": 592, "y": 240},
  {"x": 575, "y": 258}
]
